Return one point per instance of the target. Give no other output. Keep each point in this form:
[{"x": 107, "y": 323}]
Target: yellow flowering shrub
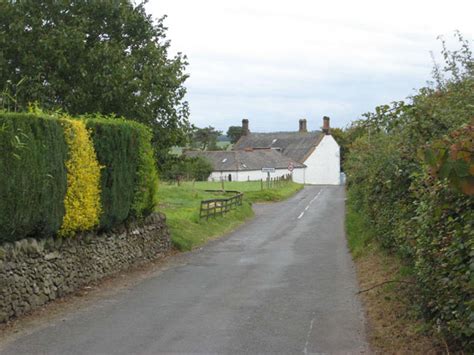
[{"x": 82, "y": 200}]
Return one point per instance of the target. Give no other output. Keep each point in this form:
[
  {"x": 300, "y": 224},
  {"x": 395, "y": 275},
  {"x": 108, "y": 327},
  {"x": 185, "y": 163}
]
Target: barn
[
  {"x": 246, "y": 165},
  {"x": 318, "y": 151}
]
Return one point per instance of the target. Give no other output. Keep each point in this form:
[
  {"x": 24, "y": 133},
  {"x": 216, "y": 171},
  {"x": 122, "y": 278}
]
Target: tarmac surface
[{"x": 282, "y": 283}]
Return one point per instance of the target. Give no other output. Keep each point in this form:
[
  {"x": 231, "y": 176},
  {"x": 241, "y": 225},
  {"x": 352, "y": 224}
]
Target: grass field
[{"x": 181, "y": 206}]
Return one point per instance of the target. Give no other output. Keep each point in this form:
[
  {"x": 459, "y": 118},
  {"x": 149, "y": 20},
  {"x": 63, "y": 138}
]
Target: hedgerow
[
  {"x": 129, "y": 178},
  {"x": 410, "y": 172},
  {"x": 144, "y": 200},
  {"x": 33, "y": 180},
  {"x": 61, "y": 175},
  {"x": 82, "y": 200}
]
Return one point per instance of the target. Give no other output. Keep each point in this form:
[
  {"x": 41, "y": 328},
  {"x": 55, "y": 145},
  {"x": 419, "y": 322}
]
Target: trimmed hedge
[
  {"x": 115, "y": 144},
  {"x": 50, "y": 171},
  {"x": 33, "y": 153},
  {"x": 129, "y": 178}
]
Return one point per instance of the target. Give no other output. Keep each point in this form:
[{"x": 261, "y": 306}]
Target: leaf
[
  {"x": 461, "y": 168},
  {"x": 430, "y": 157},
  {"x": 445, "y": 169}
]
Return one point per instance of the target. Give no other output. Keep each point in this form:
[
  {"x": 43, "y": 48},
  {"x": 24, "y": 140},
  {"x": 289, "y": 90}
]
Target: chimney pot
[
  {"x": 303, "y": 126},
  {"x": 245, "y": 127},
  {"x": 326, "y": 127}
]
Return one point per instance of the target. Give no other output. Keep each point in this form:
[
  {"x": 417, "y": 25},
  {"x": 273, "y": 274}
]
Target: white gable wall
[{"x": 323, "y": 165}]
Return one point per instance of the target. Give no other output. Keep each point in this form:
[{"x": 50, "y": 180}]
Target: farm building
[
  {"x": 246, "y": 165},
  {"x": 318, "y": 151},
  {"x": 313, "y": 157}
]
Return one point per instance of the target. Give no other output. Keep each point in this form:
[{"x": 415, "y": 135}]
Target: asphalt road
[{"x": 283, "y": 283}]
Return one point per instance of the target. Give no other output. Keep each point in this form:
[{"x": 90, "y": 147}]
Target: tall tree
[
  {"x": 84, "y": 57},
  {"x": 205, "y": 138},
  {"x": 234, "y": 133}
]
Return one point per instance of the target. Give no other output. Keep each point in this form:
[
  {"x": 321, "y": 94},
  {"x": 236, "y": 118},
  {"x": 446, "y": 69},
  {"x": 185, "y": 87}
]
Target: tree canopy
[
  {"x": 234, "y": 133},
  {"x": 205, "y": 138},
  {"x": 106, "y": 57}
]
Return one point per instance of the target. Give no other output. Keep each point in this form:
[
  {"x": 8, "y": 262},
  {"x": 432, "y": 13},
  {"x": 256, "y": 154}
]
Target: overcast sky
[{"x": 275, "y": 62}]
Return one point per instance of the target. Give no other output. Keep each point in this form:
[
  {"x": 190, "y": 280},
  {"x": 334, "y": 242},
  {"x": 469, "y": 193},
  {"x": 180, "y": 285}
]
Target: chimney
[
  {"x": 326, "y": 125},
  {"x": 303, "y": 126},
  {"x": 245, "y": 127}
]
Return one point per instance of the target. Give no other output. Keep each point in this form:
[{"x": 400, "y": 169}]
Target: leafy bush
[
  {"x": 443, "y": 230},
  {"x": 33, "y": 179},
  {"x": 82, "y": 200},
  {"x": 186, "y": 168},
  {"x": 410, "y": 173}
]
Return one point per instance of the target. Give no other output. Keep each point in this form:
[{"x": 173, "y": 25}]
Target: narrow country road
[{"x": 283, "y": 283}]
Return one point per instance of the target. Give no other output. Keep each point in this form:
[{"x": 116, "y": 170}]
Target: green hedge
[
  {"x": 33, "y": 152},
  {"x": 34, "y": 177},
  {"x": 410, "y": 174},
  {"x": 443, "y": 230},
  {"x": 129, "y": 178}
]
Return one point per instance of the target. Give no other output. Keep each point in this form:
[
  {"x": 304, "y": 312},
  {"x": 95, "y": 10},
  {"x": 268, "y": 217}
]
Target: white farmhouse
[
  {"x": 317, "y": 151},
  {"x": 246, "y": 165}
]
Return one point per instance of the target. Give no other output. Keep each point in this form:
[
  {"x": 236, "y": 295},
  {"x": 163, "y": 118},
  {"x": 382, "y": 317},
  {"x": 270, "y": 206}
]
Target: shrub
[
  {"x": 443, "y": 229},
  {"x": 82, "y": 200},
  {"x": 146, "y": 186},
  {"x": 59, "y": 178},
  {"x": 187, "y": 168},
  {"x": 425, "y": 213},
  {"x": 33, "y": 179},
  {"x": 129, "y": 178}
]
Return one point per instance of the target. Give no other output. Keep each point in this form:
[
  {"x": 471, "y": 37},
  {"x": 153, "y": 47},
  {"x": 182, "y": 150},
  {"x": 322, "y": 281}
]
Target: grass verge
[
  {"x": 392, "y": 323},
  {"x": 181, "y": 206}
]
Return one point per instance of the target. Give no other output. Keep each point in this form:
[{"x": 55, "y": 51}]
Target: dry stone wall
[{"x": 34, "y": 272}]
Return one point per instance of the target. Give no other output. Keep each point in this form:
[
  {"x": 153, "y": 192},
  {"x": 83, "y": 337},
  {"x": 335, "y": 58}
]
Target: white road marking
[
  {"x": 305, "y": 350},
  {"x": 310, "y": 202}
]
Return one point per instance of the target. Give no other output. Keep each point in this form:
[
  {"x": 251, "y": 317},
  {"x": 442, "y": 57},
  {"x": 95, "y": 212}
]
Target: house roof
[
  {"x": 295, "y": 145},
  {"x": 241, "y": 160}
]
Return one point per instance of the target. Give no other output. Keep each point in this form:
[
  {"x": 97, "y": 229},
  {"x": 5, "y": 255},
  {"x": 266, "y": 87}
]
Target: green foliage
[
  {"x": 128, "y": 179},
  {"x": 234, "y": 133},
  {"x": 144, "y": 200},
  {"x": 50, "y": 174},
  {"x": 186, "y": 168},
  {"x": 33, "y": 153},
  {"x": 360, "y": 233},
  {"x": 452, "y": 158},
  {"x": 205, "y": 138},
  {"x": 420, "y": 211},
  {"x": 341, "y": 138},
  {"x": 93, "y": 56},
  {"x": 443, "y": 229}
]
